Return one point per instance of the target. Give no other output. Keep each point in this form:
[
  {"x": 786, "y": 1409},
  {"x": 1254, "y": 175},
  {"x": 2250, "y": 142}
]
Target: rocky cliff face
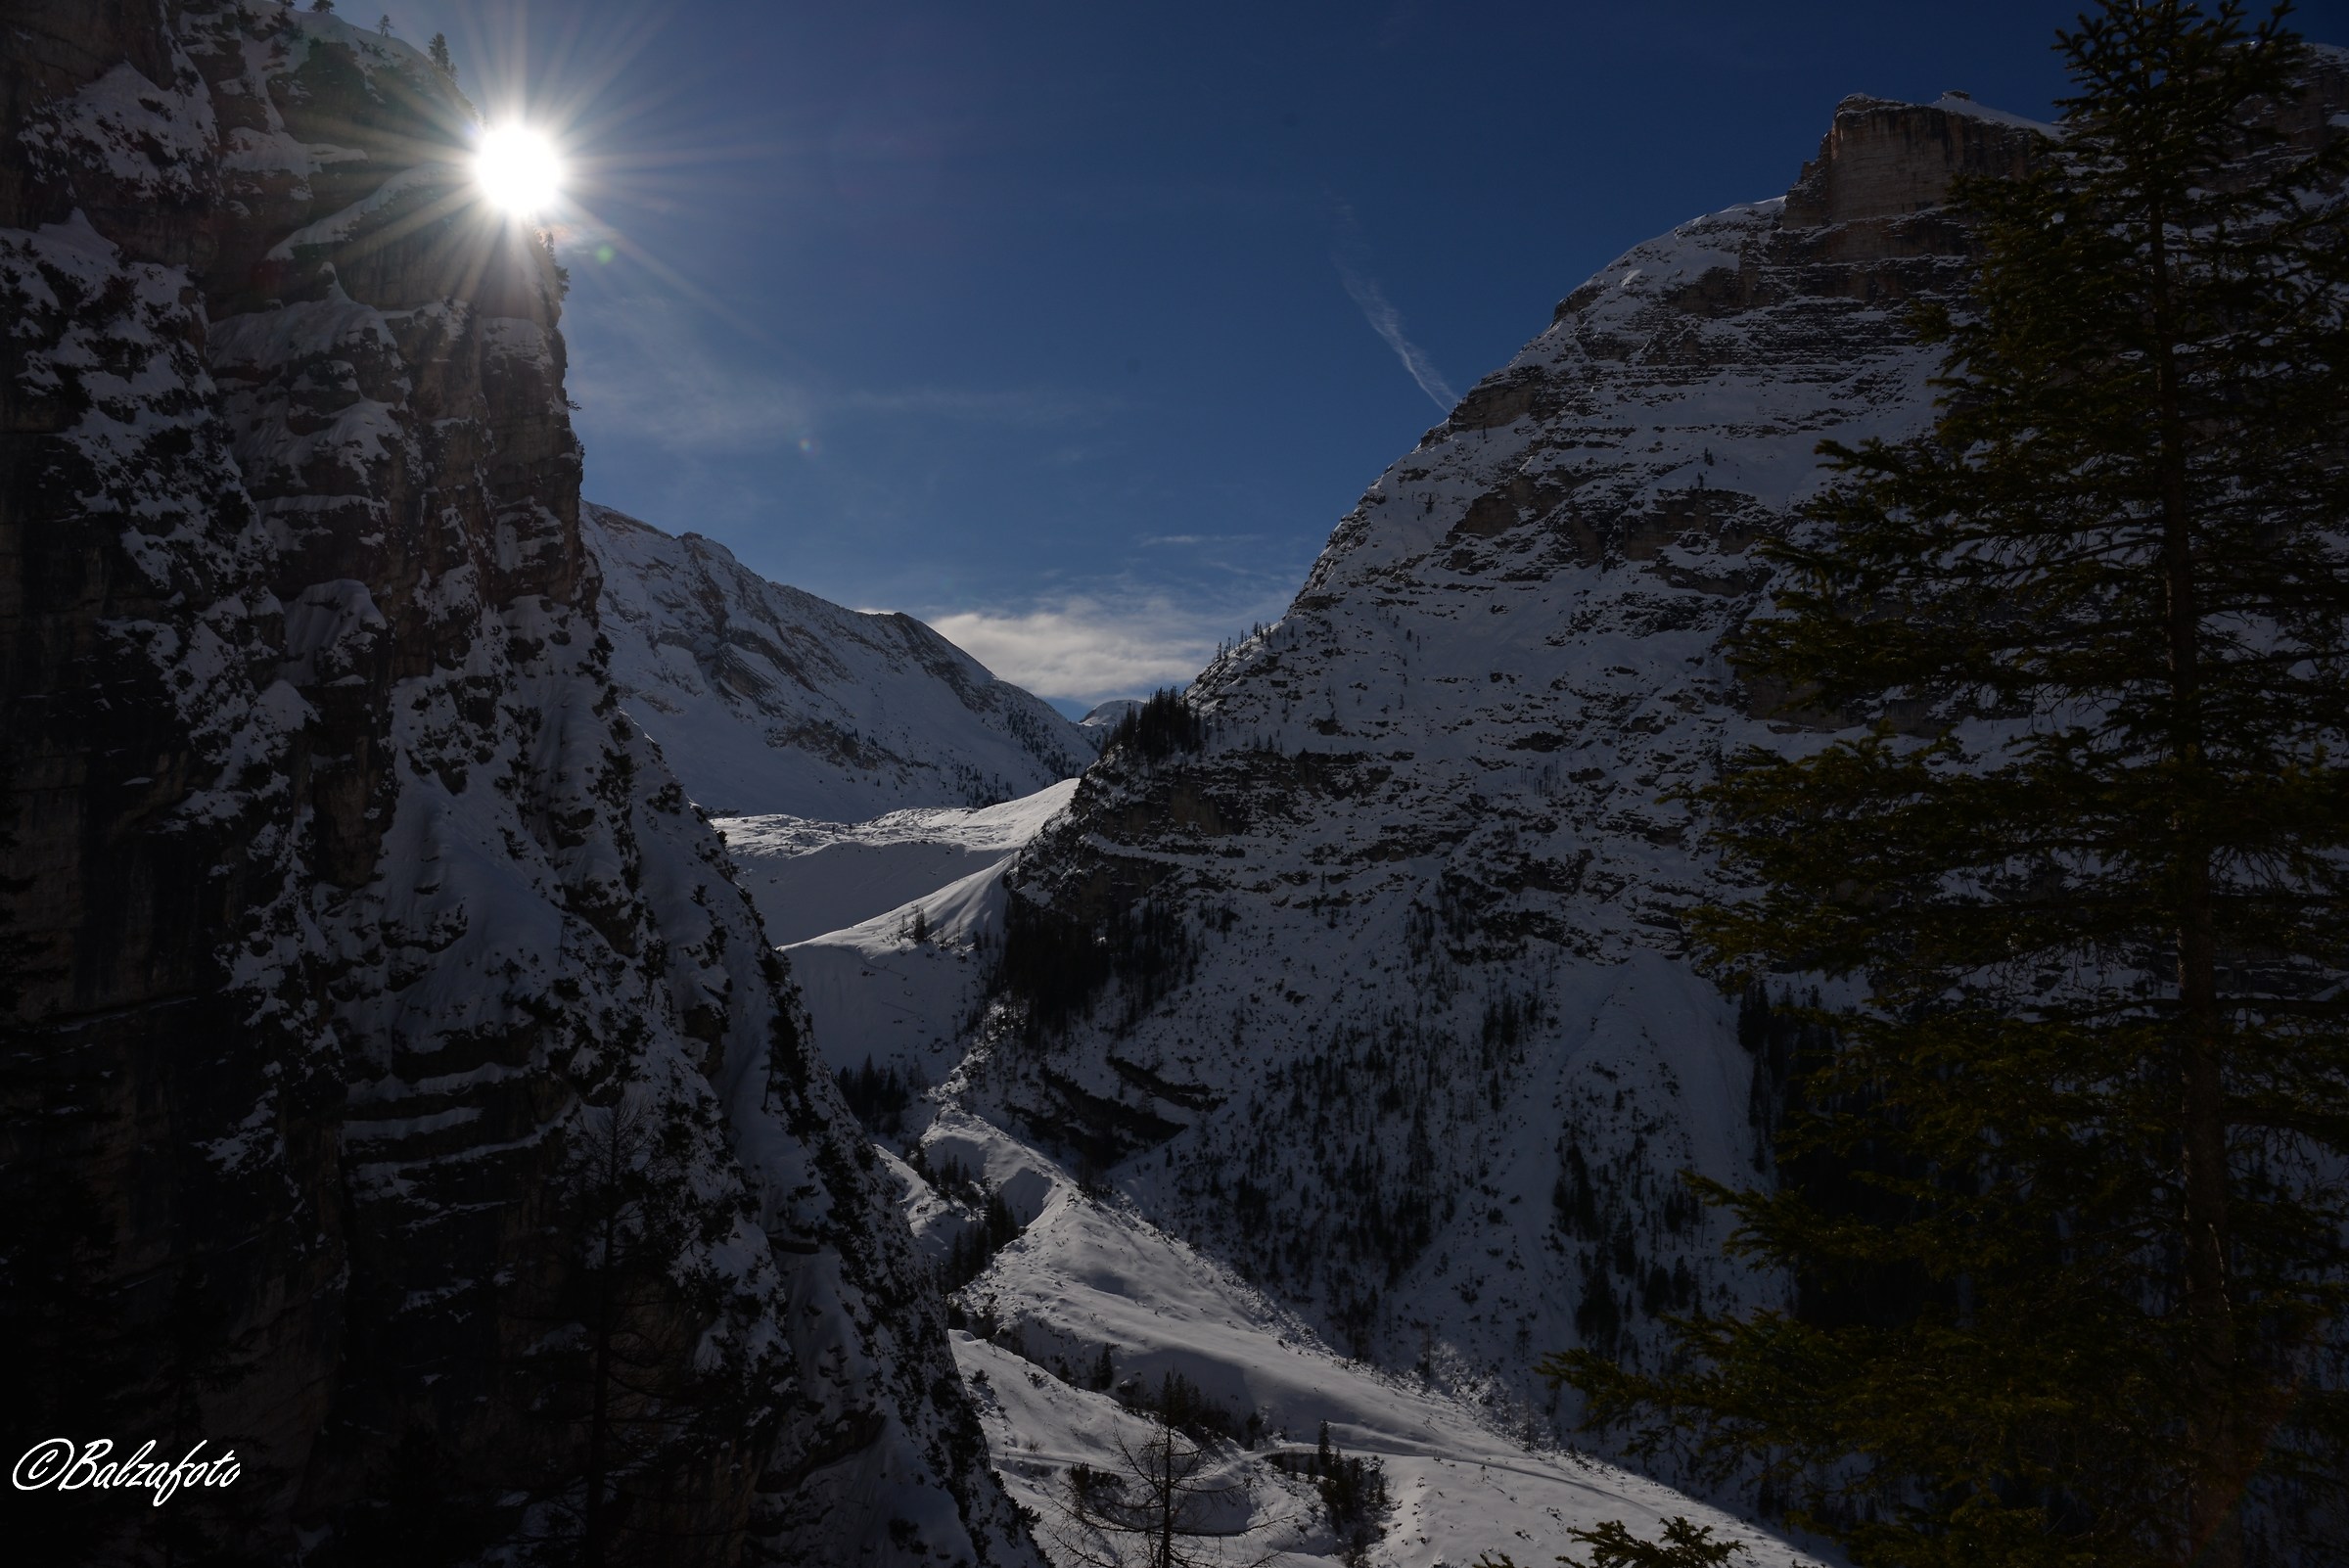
[
  {"x": 770, "y": 701},
  {"x": 396, "y": 1088},
  {"x": 1377, "y": 983}
]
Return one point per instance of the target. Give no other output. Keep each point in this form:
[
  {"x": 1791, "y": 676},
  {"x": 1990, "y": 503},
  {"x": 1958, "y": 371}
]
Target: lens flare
[{"x": 517, "y": 170}]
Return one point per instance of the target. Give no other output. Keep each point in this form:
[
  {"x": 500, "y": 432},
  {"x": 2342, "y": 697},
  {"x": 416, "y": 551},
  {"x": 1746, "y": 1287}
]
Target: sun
[{"x": 517, "y": 170}]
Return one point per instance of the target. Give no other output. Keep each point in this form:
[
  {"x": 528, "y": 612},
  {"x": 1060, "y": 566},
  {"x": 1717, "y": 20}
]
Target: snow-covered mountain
[
  {"x": 1358, "y": 1025},
  {"x": 1377, "y": 991},
  {"x": 768, "y": 700},
  {"x": 810, "y": 877},
  {"x": 391, "y": 1055},
  {"x": 1093, "y": 1304},
  {"x": 1105, "y": 716}
]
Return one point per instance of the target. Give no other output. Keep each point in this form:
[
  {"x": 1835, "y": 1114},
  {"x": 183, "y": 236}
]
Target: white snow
[
  {"x": 809, "y": 877},
  {"x": 1959, "y": 103},
  {"x": 872, "y": 988}
]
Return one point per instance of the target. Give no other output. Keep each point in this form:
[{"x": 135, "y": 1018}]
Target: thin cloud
[
  {"x": 1380, "y": 312},
  {"x": 1088, "y": 649},
  {"x": 1387, "y": 322},
  {"x": 1005, "y": 406}
]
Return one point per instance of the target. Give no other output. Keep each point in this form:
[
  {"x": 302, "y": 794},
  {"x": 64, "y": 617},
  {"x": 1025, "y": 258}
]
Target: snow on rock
[{"x": 766, "y": 699}]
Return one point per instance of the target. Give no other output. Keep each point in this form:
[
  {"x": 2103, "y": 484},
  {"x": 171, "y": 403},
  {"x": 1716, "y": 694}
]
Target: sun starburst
[{"x": 518, "y": 169}]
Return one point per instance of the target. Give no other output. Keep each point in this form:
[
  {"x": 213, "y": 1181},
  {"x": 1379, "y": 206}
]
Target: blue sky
[{"x": 1073, "y": 327}]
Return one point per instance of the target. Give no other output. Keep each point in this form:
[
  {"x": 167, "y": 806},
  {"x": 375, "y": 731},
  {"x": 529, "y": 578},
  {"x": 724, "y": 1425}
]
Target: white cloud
[
  {"x": 1090, "y": 649},
  {"x": 1198, "y": 538}
]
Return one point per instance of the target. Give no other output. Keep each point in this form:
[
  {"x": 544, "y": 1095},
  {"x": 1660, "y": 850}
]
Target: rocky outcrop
[
  {"x": 1883, "y": 158},
  {"x": 767, "y": 700},
  {"x": 396, "y": 1090}
]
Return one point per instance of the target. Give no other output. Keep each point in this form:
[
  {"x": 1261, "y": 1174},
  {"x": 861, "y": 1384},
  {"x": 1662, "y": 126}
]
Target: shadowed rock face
[
  {"x": 345, "y": 917},
  {"x": 1888, "y": 160}
]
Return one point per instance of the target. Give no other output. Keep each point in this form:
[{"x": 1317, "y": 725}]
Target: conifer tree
[{"x": 2076, "y": 862}]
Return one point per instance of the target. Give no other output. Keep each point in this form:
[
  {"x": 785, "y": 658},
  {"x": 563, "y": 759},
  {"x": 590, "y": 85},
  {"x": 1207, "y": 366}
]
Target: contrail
[{"x": 1385, "y": 319}]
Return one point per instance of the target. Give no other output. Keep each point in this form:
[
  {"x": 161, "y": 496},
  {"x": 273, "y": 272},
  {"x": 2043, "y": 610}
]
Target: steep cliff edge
[{"x": 389, "y": 1057}]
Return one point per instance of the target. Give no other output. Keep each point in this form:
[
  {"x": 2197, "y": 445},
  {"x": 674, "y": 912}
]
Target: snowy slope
[
  {"x": 765, "y": 699},
  {"x": 1468, "y": 1473},
  {"x": 809, "y": 877},
  {"x": 1086, "y": 1275},
  {"x": 877, "y": 991},
  {"x": 843, "y": 900},
  {"x": 1105, "y": 716}
]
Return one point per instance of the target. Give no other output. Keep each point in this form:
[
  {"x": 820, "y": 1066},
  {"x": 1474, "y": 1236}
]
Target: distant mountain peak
[
  {"x": 1105, "y": 716},
  {"x": 770, "y": 701}
]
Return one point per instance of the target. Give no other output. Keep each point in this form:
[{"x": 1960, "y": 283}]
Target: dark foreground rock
[{"x": 394, "y": 1088}]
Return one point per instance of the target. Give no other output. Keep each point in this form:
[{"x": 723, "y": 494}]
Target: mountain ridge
[
  {"x": 1411, "y": 906},
  {"x": 1378, "y": 989}
]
